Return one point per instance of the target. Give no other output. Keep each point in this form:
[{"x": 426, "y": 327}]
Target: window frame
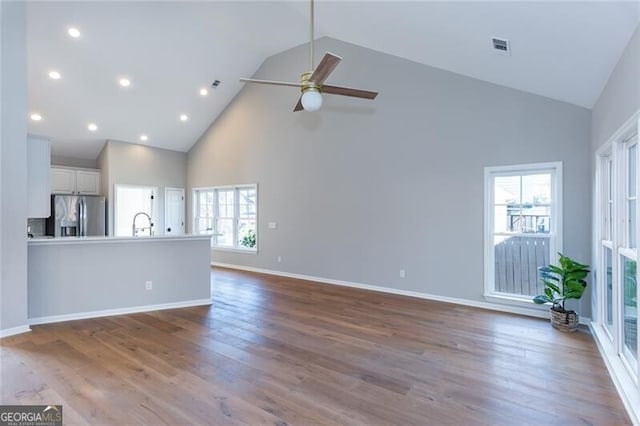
[
  {"x": 607, "y": 209},
  {"x": 236, "y": 215},
  {"x": 555, "y": 228},
  {"x": 154, "y": 206}
]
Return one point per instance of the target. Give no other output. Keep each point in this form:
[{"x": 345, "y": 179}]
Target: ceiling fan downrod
[{"x": 311, "y": 15}]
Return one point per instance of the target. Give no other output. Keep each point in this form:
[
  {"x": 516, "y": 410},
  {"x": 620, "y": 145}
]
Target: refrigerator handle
[
  {"x": 81, "y": 217},
  {"x": 84, "y": 218}
]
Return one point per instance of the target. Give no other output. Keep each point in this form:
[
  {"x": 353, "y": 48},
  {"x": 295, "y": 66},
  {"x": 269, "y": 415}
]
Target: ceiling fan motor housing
[{"x": 307, "y": 84}]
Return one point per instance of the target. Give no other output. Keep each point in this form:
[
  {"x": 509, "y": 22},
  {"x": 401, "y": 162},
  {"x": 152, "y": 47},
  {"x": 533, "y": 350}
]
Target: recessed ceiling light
[
  {"x": 124, "y": 82},
  {"x": 54, "y": 75},
  {"x": 36, "y": 117},
  {"x": 184, "y": 117},
  {"x": 73, "y": 32},
  {"x": 92, "y": 127},
  {"x": 144, "y": 137},
  {"x": 204, "y": 92}
]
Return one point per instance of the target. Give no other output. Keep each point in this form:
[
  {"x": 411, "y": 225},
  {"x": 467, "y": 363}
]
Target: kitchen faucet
[{"x": 134, "y": 229}]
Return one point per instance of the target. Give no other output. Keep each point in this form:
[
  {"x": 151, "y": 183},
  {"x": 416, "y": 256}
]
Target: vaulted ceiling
[{"x": 170, "y": 50}]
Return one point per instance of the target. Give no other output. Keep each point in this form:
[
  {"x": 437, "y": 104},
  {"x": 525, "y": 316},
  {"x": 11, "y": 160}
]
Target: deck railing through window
[{"x": 517, "y": 260}]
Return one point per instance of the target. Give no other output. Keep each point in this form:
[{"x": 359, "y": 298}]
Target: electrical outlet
[
  {"x": 273, "y": 225},
  {"x": 279, "y": 259},
  {"x": 402, "y": 273},
  {"x": 148, "y": 285}
]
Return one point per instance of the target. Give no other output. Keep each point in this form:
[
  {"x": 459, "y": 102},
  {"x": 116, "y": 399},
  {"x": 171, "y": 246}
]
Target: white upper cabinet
[
  {"x": 87, "y": 182},
  {"x": 38, "y": 183},
  {"x": 75, "y": 181},
  {"x": 63, "y": 181}
]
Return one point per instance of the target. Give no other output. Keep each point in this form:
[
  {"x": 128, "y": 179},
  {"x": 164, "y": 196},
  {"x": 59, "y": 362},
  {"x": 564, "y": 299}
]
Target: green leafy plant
[
  {"x": 563, "y": 282},
  {"x": 249, "y": 240}
]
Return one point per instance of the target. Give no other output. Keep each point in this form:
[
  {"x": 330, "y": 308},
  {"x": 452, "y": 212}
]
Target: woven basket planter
[{"x": 564, "y": 321}]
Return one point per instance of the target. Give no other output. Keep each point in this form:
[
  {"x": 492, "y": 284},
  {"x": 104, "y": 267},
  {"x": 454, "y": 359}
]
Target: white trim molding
[
  {"x": 121, "y": 311},
  {"x": 14, "y": 330},
  {"x": 536, "y": 313}
]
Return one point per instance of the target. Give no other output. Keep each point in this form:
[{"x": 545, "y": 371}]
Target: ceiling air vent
[
  {"x": 215, "y": 83},
  {"x": 501, "y": 45}
]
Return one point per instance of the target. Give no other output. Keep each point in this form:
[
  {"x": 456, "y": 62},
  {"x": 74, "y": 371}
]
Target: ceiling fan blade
[
  {"x": 298, "y": 106},
  {"x": 347, "y": 91},
  {"x": 324, "y": 68},
  {"x": 275, "y": 83}
]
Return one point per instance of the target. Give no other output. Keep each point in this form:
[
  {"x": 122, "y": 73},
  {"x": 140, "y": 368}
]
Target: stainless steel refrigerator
[{"x": 76, "y": 216}]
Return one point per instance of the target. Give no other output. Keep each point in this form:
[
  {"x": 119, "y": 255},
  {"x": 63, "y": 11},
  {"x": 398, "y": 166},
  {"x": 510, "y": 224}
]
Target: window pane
[
  {"x": 610, "y": 222},
  {"x": 632, "y": 170},
  {"x": 630, "y": 306},
  {"x": 632, "y": 224},
  {"x": 503, "y": 218},
  {"x": 247, "y": 202},
  {"x": 225, "y": 203},
  {"x": 516, "y": 264},
  {"x": 536, "y": 189},
  {"x": 522, "y": 203},
  {"x": 225, "y": 228},
  {"x": 608, "y": 282},
  {"x": 608, "y": 231},
  {"x": 247, "y": 233},
  {"x": 506, "y": 190},
  {"x": 205, "y": 226}
]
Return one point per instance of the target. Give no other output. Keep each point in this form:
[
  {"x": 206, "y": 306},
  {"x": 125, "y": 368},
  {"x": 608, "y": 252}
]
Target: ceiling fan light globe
[{"x": 311, "y": 100}]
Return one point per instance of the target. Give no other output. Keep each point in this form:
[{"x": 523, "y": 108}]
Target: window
[
  {"x": 606, "y": 239},
  {"x": 229, "y": 214},
  {"x": 137, "y": 202},
  {"x": 628, "y": 254},
  {"x": 616, "y": 270},
  {"x": 523, "y": 217}
]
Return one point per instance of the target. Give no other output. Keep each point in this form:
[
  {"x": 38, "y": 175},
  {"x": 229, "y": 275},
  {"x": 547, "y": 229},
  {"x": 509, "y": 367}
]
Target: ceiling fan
[{"x": 312, "y": 82}]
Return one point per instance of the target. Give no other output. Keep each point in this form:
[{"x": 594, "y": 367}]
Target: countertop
[{"x": 101, "y": 240}]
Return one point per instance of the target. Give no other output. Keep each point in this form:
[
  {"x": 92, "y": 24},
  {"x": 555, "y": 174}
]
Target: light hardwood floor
[{"x": 279, "y": 351}]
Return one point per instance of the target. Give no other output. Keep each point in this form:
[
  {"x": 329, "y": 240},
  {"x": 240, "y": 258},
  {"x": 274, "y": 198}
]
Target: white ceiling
[{"x": 169, "y": 50}]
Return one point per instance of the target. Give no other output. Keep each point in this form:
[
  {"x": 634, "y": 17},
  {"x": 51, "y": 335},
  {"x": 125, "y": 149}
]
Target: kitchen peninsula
[{"x": 73, "y": 278}]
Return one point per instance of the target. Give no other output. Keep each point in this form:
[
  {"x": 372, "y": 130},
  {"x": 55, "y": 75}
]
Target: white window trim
[
  {"x": 215, "y": 247},
  {"x": 555, "y": 232}
]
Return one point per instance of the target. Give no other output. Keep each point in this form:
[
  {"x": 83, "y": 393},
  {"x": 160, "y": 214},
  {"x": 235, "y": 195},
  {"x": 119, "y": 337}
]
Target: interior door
[{"x": 173, "y": 211}]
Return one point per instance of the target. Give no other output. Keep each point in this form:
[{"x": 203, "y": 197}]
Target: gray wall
[
  {"x": 620, "y": 97},
  {"x": 363, "y": 189},
  {"x": 178, "y": 269},
  {"x": 59, "y": 160},
  {"x": 132, "y": 164},
  {"x": 13, "y": 158}
]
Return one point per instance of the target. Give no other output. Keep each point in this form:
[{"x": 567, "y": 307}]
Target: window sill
[
  {"x": 505, "y": 299},
  {"x": 235, "y": 250}
]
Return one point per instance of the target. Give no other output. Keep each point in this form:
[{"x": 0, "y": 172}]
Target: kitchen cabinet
[
  {"x": 66, "y": 180},
  {"x": 87, "y": 182},
  {"x": 38, "y": 180}
]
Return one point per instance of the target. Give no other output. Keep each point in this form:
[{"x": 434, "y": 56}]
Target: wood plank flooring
[{"x": 280, "y": 351}]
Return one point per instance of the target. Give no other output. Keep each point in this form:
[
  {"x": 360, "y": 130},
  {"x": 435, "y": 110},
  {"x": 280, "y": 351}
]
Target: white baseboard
[
  {"x": 621, "y": 380},
  {"x": 465, "y": 302},
  {"x": 14, "y": 330},
  {"x": 122, "y": 311}
]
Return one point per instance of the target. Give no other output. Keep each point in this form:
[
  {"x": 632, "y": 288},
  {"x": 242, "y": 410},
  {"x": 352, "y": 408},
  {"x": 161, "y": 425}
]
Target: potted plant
[{"x": 563, "y": 282}]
